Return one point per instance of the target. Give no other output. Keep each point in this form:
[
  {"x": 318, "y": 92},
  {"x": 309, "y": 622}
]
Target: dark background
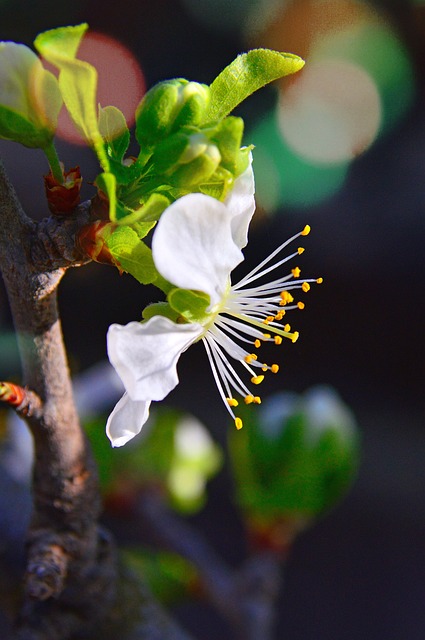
[{"x": 360, "y": 571}]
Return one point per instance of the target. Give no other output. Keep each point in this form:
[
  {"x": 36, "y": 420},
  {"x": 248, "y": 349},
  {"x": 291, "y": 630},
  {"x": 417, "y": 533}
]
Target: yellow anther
[
  {"x": 287, "y": 327},
  {"x": 296, "y": 272},
  {"x": 295, "y": 336},
  {"x": 249, "y": 399},
  {"x": 264, "y": 367},
  {"x": 279, "y": 315},
  {"x": 278, "y": 340},
  {"x": 286, "y": 296},
  {"x": 238, "y": 423},
  {"x": 319, "y": 280},
  {"x": 269, "y": 319},
  {"x": 300, "y": 305},
  {"x": 257, "y": 379},
  {"x": 274, "y": 368},
  {"x": 266, "y": 336},
  {"x": 300, "y": 250},
  {"x": 257, "y": 343},
  {"x": 305, "y": 287},
  {"x": 232, "y": 402},
  {"x": 306, "y": 230},
  {"x": 250, "y": 357},
  {"x": 257, "y": 400},
  {"x": 266, "y": 321}
]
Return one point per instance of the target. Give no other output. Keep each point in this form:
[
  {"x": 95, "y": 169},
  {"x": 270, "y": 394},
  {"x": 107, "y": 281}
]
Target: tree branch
[{"x": 64, "y": 545}]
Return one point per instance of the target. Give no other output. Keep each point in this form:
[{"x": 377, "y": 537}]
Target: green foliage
[
  {"x": 295, "y": 457},
  {"x": 247, "y": 73},
  {"x": 174, "y": 454},
  {"x": 169, "y": 576},
  {"x": 132, "y": 254},
  {"x": 77, "y": 82},
  {"x": 191, "y": 305}
]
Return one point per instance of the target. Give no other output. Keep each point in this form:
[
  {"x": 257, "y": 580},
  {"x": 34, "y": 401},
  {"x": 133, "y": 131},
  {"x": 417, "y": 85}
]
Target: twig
[{"x": 245, "y": 597}]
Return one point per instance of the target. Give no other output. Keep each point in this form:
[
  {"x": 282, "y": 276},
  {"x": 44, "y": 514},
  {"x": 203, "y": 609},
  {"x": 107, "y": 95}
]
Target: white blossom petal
[
  {"x": 126, "y": 420},
  {"x": 193, "y": 247},
  {"x": 145, "y": 355},
  {"x": 240, "y": 205}
]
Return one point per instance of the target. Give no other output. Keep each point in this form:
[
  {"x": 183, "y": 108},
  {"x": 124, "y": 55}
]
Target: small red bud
[
  {"x": 63, "y": 198},
  {"x": 92, "y": 239}
]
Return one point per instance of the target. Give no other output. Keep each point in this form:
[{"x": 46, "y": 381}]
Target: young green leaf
[
  {"x": 114, "y": 131},
  {"x": 247, "y": 73},
  {"x": 132, "y": 254},
  {"x": 77, "y": 82}
]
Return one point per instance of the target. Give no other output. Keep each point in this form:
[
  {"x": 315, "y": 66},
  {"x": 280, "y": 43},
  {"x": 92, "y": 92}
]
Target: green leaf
[
  {"x": 113, "y": 129},
  {"x": 132, "y": 254},
  {"x": 77, "y": 82},
  {"x": 247, "y": 73},
  {"x": 160, "y": 309},
  {"x": 107, "y": 183},
  {"x": 192, "y": 305},
  {"x": 16, "y": 127}
]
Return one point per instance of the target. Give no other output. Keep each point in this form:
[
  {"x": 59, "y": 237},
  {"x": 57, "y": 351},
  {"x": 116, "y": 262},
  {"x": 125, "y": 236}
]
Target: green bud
[
  {"x": 30, "y": 99},
  {"x": 294, "y": 459},
  {"x": 167, "y": 107},
  {"x": 186, "y": 158}
]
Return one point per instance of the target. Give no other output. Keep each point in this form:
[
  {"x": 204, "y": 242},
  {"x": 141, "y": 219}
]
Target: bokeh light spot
[
  {"x": 284, "y": 179},
  {"x": 331, "y": 112},
  {"x": 121, "y": 81}
]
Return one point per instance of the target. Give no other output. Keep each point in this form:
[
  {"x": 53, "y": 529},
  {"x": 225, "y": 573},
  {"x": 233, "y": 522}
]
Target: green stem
[{"x": 54, "y": 163}]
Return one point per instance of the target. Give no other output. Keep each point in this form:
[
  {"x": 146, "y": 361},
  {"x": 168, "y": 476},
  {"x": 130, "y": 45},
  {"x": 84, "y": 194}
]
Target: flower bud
[
  {"x": 30, "y": 99},
  {"x": 293, "y": 461},
  {"x": 187, "y": 159},
  {"x": 167, "y": 107},
  {"x": 63, "y": 198}
]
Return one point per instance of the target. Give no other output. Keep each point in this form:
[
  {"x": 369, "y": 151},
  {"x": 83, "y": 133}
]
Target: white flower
[{"x": 196, "y": 245}]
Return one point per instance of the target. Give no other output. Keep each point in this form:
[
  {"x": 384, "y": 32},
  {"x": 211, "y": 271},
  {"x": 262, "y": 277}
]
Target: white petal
[
  {"x": 193, "y": 247},
  {"x": 241, "y": 205},
  {"x": 145, "y": 354},
  {"x": 126, "y": 420}
]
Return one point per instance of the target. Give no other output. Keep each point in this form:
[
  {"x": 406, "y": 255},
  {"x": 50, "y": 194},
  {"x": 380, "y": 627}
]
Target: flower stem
[{"x": 54, "y": 163}]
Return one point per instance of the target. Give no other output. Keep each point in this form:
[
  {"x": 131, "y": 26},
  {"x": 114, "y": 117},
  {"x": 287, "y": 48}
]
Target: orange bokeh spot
[{"x": 121, "y": 82}]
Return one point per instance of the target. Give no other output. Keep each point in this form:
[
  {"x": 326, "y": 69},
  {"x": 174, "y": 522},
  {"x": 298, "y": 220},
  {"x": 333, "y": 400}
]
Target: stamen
[
  {"x": 300, "y": 305},
  {"x": 274, "y": 368},
  {"x": 238, "y": 424},
  {"x": 306, "y": 230},
  {"x": 305, "y": 287},
  {"x": 257, "y": 379},
  {"x": 296, "y": 272},
  {"x": 232, "y": 402}
]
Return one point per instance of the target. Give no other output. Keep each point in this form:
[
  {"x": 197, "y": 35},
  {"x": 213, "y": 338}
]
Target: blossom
[{"x": 196, "y": 246}]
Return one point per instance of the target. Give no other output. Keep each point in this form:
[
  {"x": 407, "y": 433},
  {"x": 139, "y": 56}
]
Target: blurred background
[{"x": 340, "y": 146}]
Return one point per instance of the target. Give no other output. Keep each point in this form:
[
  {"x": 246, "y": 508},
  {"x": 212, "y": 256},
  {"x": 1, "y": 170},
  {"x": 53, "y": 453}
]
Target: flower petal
[
  {"x": 241, "y": 205},
  {"x": 145, "y": 354},
  {"x": 193, "y": 247},
  {"x": 126, "y": 420}
]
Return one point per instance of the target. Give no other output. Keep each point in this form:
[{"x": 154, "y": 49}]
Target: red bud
[
  {"x": 92, "y": 239},
  {"x": 63, "y": 198}
]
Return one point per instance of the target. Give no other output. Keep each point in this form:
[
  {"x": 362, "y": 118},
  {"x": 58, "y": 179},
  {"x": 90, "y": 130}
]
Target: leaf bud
[{"x": 295, "y": 460}]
